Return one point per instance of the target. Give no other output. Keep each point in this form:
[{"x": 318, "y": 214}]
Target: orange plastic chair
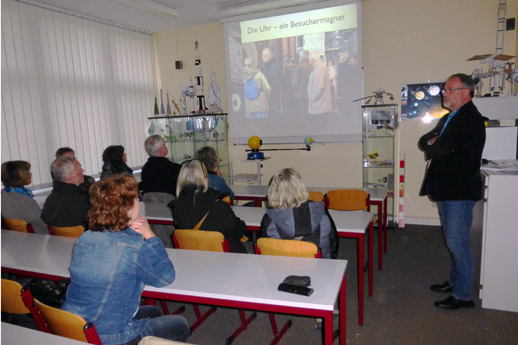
[
  {"x": 348, "y": 200},
  {"x": 210, "y": 241},
  {"x": 66, "y": 324},
  {"x": 273, "y": 246},
  {"x": 18, "y": 225},
  {"x": 316, "y": 196},
  {"x": 17, "y": 300},
  {"x": 67, "y": 231}
]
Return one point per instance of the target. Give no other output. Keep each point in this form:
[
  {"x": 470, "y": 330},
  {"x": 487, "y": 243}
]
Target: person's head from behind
[
  {"x": 192, "y": 173},
  {"x": 114, "y": 154},
  {"x": 286, "y": 189},
  {"x": 155, "y": 146},
  {"x": 304, "y": 56},
  {"x": 67, "y": 170},
  {"x": 207, "y": 155},
  {"x": 16, "y": 174},
  {"x": 65, "y": 152},
  {"x": 114, "y": 203},
  {"x": 343, "y": 57}
]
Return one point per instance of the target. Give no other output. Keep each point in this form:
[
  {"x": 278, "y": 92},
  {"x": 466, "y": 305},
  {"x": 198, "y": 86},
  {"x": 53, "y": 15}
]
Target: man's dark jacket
[
  {"x": 454, "y": 170},
  {"x": 159, "y": 174},
  {"x": 67, "y": 205}
]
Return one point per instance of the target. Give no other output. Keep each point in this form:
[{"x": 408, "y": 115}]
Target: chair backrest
[
  {"x": 316, "y": 196},
  {"x": 67, "y": 231},
  {"x": 228, "y": 200},
  {"x": 273, "y": 246},
  {"x": 66, "y": 324},
  {"x": 17, "y": 300},
  {"x": 17, "y": 225},
  {"x": 348, "y": 199},
  {"x": 200, "y": 240}
]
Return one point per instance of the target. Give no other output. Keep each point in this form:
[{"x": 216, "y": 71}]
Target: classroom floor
[{"x": 401, "y": 310}]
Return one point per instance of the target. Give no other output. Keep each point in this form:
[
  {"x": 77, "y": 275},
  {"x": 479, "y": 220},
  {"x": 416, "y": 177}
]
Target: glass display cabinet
[
  {"x": 379, "y": 125},
  {"x": 185, "y": 134}
]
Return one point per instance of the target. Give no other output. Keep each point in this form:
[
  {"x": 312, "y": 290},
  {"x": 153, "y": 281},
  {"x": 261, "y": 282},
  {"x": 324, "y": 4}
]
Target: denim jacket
[{"x": 107, "y": 275}]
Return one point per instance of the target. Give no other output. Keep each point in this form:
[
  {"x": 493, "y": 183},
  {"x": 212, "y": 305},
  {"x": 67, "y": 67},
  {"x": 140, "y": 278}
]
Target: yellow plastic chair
[
  {"x": 316, "y": 196},
  {"x": 273, "y": 246},
  {"x": 17, "y": 300},
  {"x": 214, "y": 241},
  {"x": 17, "y": 225},
  {"x": 348, "y": 200},
  {"x": 67, "y": 231},
  {"x": 66, "y": 324}
]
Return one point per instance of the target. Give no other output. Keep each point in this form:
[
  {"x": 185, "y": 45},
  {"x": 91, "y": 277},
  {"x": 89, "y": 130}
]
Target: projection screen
[{"x": 296, "y": 75}]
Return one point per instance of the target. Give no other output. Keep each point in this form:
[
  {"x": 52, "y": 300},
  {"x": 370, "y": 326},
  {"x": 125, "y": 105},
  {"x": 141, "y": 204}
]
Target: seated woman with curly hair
[
  {"x": 291, "y": 215},
  {"x": 114, "y": 159},
  {"x": 111, "y": 264},
  {"x": 17, "y": 200},
  {"x": 208, "y": 156}
]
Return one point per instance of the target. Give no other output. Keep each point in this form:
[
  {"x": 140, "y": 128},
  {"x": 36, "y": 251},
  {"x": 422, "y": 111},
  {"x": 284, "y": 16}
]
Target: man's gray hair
[
  {"x": 153, "y": 144},
  {"x": 314, "y": 55},
  {"x": 61, "y": 168}
]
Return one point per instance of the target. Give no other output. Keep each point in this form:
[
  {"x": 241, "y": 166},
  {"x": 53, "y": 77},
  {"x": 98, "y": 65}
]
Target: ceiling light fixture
[
  {"x": 150, "y": 7},
  {"x": 240, "y": 7}
]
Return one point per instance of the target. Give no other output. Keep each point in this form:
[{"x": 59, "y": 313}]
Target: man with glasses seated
[{"x": 453, "y": 150}]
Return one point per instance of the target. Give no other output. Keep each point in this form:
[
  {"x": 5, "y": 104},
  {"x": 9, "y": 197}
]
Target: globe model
[
  {"x": 254, "y": 142},
  {"x": 308, "y": 141}
]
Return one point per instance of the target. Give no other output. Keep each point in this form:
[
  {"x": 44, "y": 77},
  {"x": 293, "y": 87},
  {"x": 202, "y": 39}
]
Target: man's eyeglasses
[{"x": 443, "y": 91}]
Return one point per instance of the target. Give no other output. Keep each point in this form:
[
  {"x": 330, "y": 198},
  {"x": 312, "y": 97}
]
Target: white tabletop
[
  {"x": 17, "y": 335},
  {"x": 345, "y": 221},
  {"x": 375, "y": 194},
  {"x": 220, "y": 276}
]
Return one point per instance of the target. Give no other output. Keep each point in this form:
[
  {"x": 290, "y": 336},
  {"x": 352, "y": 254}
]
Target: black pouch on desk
[
  {"x": 298, "y": 280},
  {"x": 299, "y": 290}
]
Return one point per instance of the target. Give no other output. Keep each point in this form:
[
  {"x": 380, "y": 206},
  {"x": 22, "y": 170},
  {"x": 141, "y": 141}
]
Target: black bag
[{"x": 49, "y": 292}]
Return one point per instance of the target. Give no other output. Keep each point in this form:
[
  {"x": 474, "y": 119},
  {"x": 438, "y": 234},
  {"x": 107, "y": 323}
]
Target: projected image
[{"x": 296, "y": 75}]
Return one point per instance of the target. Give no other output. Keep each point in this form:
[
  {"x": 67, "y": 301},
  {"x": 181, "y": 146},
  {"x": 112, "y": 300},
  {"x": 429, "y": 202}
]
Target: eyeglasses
[{"x": 443, "y": 91}]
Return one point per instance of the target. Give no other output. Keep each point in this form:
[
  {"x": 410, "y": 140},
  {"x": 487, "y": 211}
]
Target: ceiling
[{"x": 190, "y": 12}]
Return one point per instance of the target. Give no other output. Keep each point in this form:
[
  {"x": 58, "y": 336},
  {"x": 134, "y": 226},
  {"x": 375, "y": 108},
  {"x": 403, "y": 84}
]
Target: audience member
[
  {"x": 257, "y": 91},
  {"x": 207, "y": 155},
  {"x": 111, "y": 264},
  {"x": 319, "y": 89},
  {"x": 68, "y": 152},
  {"x": 291, "y": 215},
  {"x": 114, "y": 159},
  {"x": 159, "y": 174},
  {"x": 299, "y": 83},
  {"x": 199, "y": 204},
  {"x": 66, "y": 205},
  {"x": 17, "y": 200}
]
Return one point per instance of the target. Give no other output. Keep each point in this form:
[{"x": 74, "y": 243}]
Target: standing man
[
  {"x": 319, "y": 88},
  {"x": 67, "y": 205},
  {"x": 453, "y": 150},
  {"x": 299, "y": 83},
  {"x": 272, "y": 75}
]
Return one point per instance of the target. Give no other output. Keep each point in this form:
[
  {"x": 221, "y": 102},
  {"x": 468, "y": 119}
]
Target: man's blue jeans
[
  {"x": 456, "y": 217},
  {"x": 172, "y": 327}
]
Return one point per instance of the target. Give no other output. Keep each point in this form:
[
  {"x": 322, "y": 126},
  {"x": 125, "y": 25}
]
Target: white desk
[
  {"x": 221, "y": 279},
  {"x": 17, "y": 335},
  {"x": 348, "y": 224}
]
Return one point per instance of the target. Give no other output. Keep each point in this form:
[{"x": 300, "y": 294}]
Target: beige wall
[{"x": 404, "y": 41}]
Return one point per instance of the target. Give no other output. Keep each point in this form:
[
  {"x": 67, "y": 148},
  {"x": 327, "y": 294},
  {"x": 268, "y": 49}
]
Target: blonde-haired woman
[
  {"x": 196, "y": 202},
  {"x": 291, "y": 215}
]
